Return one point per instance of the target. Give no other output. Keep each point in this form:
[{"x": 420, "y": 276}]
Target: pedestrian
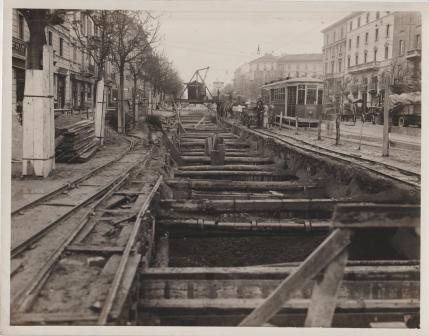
[{"x": 265, "y": 116}]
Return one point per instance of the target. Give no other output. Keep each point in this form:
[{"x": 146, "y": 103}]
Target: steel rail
[
  {"x": 113, "y": 290},
  {"x": 347, "y": 158},
  {"x": 17, "y": 250},
  {"x": 60, "y": 189},
  {"x": 25, "y": 298}
]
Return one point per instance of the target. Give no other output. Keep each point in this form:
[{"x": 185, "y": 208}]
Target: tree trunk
[
  {"x": 36, "y": 43},
  {"x": 121, "y": 111},
  {"x": 135, "y": 109}
]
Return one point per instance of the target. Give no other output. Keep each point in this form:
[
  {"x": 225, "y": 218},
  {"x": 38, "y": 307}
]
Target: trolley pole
[{"x": 386, "y": 128}]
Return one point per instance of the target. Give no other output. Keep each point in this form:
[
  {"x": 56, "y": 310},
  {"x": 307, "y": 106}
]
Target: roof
[
  {"x": 301, "y": 57},
  {"x": 266, "y": 57},
  {"x": 302, "y": 80},
  {"x": 353, "y": 14}
]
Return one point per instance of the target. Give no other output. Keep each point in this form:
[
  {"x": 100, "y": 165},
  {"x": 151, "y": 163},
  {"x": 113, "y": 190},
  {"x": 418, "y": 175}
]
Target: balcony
[
  {"x": 364, "y": 67},
  {"x": 414, "y": 53},
  {"x": 87, "y": 70},
  {"x": 18, "y": 48}
]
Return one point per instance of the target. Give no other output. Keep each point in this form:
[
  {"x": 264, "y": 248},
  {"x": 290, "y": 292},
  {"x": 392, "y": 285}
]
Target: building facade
[
  {"x": 369, "y": 45},
  {"x": 250, "y": 77},
  {"x": 300, "y": 65}
]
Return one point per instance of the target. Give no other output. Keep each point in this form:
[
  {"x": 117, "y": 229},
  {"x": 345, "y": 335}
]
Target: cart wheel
[{"x": 403, "y": 122}]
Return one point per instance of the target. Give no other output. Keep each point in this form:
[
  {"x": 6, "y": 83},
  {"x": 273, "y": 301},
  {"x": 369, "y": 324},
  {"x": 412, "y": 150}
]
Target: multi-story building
[
  {"x": 20, "y": 34},
  {"x": 300, "y": 65},
  {"x": 249, "y": 77},
  {"x": 370, "y": 44},
  {"x": 334, "y": 53}
]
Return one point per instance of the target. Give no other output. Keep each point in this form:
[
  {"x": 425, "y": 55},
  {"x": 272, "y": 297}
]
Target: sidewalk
[{"x": 26, "y": 190}]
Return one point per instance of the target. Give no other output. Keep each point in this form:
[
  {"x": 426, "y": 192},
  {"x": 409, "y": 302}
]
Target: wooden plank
[
  {"x": 222, "y": 185},
  {"x": 37, "y": 318},
  {"x": 94, "y": 249},
  {"x": 376, "y": 215},
  {"x": 311, "y": 266},
  {"x": 124, "y": 259},
  {"x": 325, "y": 292},
  {"x": 389, "y": 272},
  {"x": 227, "y": 167},
  {"x": 241, "y": 205},
  {"x": 294, "y": 304},
  {"x": 203, "y": 224}
]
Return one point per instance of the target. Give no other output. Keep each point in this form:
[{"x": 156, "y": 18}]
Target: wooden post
[
  {"x": 99, "y": 112},
  {"x": 38, "y": 119},
  {"x": 324, "y": 297},
  {"x": 386, "y": 118},
  {"x": 337, "y": 241}
]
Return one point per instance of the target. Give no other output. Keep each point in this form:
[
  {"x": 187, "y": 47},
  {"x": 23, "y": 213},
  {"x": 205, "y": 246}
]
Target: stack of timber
[{"x": 77, "y": 142}]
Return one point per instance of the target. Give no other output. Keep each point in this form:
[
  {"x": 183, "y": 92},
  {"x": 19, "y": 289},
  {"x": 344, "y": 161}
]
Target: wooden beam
[
  {"x": 38, "y": 318},
  {"x": 231, "y": 173},
  {"x": 375, "y": 215},
  {"x": 228, "y": 160},
  {"x": 95, "y": 249},
  {"x": 388, "y": 273},
  {"x": 337, "y": 241},
  {"x": 247, "y": 186},
  {"x": 293, "y": 304},
  {"x": 251, "y": 205},
  {"x": 203, "y": 224},
  {"x": 324, "y": 295},
  {"x": 228, "y": 167}
]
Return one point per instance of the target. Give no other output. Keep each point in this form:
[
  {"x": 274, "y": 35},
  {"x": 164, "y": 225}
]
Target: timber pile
[{"x": 78, "y": 142}]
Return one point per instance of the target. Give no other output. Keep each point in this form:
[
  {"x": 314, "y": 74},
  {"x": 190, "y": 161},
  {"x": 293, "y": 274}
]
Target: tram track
[
  {"x": 406, "y": 176},
  {"x": 92, "y": 237},
  {"x": 63, "y": 208}
]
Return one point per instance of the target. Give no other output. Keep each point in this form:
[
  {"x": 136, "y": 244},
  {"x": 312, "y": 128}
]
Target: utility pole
[{"x": 386, "y": 128}]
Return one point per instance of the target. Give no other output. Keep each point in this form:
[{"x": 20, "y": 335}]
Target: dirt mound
[{"x": 111, "y": 137}]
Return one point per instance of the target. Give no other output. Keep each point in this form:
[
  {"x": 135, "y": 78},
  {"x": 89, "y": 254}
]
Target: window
[
  {"x": 49, "y": 38},
  {"x": 375, "y": 55},
  {"x": 326, "y": 68},
  {"x": 387, "y": 30},
  {"x": 357, "y": 41},
  {"x": 386, "y": 52},
  {"x": 342, "y": 32},
  {"x": 377, "y": 15},
  {"x": 365, "y": 57},
  {"x": 339, "y": 65},
  {"x": 356, "y": 59},
  {"x": 319, "y": 96},
  {"x": 334, "y": 37},
  {"x": 376, "y": 34},
  {"x": 311, "y": 94},
  {"x": 301, "y": 94},
  {"x": 332, "y": 66},
  {"x": 21, "y": 27},
  {"x": 401, "y": 47},
  {"x": 350, "y": 44},
  {"x": 74, "y": 54},
  {"x": 348, "y": 62},
  {"x": 358, "y": 22},
  {"x": 366, "y": 37},
  {"x": 61, "y": 47},
  {"x": 418, "y": 41},
  {"x": 351, "y": 25},
  {"x": 367, "y": 17}
]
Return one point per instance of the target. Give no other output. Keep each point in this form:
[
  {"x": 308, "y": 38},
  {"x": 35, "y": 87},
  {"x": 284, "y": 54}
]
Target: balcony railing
[
  {"x": 87, "y": 70},
  {"x": 18, "y": 47},
  {"x": 364, "y": 67},
  {"x": 414, "y": 53}
]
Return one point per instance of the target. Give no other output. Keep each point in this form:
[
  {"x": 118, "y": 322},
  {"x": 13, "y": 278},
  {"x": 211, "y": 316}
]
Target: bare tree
[
  {"x": 97, "y": 46},
  {"x": 135, "y": 32},
  {"x": 37, "y": 20}
]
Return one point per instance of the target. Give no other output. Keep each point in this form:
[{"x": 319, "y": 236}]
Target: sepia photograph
[{"x": 212, "y": 164}]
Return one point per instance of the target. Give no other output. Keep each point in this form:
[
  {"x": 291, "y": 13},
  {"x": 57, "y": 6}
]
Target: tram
[{"x": 296, "y": 100}]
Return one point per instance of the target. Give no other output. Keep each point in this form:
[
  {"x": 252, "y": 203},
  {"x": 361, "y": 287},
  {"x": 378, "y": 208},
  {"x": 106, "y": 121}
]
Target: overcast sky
[{"x": 225, "y": 37}]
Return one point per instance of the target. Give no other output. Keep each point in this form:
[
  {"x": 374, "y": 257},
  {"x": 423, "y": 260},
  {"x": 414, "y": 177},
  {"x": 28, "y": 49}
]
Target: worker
[{"x": 260, "y": 111}]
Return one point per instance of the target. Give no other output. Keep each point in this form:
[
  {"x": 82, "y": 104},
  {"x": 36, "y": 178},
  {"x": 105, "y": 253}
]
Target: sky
[{"x": 224, "y": 37}]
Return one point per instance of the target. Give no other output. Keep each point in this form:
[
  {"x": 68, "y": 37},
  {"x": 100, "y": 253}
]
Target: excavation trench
[{"x": 227, "y": 233}]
